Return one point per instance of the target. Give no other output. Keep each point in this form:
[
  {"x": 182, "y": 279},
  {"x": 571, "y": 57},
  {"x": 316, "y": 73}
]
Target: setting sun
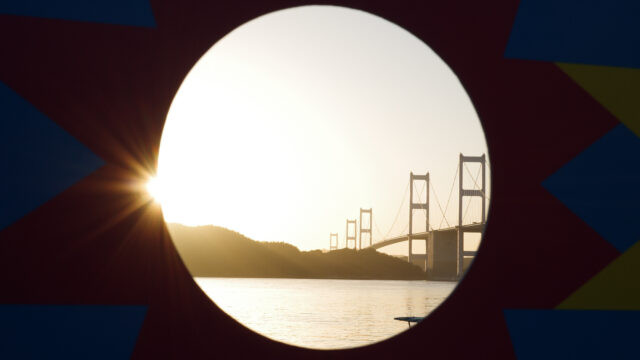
[{"x": 153, "y": 188}]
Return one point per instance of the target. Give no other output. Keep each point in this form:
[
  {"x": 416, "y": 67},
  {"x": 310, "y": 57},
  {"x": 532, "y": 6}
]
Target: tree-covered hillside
[{"x": 211, "y": 251}]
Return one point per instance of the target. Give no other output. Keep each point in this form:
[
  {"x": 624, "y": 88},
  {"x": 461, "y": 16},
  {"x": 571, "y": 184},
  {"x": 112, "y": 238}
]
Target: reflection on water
[{"x": 325, "y": 314}]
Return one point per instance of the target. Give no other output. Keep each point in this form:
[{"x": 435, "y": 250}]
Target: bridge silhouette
[{"x": 445, "y": 254}]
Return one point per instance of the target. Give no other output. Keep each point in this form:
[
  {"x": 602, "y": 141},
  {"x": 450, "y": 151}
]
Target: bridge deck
[{"x": 475, "y": 227}]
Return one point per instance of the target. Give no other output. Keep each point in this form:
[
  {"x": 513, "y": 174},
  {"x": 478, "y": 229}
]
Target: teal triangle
[
  {"x": 117, "y": 12},
  {"x": 69, "y": 331},
  {"x": 39, "y": 158}
]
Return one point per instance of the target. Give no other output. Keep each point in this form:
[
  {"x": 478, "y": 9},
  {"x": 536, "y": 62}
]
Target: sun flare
[
  {"x": 285, "y": 130},
  {"x": 282, "y": 135},
  {"x": 153, "y": 188}
]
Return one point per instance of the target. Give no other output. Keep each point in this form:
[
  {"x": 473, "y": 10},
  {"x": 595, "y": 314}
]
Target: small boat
[{"x": 410, "y": 319}]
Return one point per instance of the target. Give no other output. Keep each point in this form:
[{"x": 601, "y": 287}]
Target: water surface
[{"x": 325, "y": 314}]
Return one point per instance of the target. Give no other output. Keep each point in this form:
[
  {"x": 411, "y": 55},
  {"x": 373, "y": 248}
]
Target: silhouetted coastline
[{"x": 211, "y": 251}]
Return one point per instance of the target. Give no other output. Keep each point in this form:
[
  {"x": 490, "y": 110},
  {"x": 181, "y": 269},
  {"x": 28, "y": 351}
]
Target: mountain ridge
[{"x": 212, "y": 251}]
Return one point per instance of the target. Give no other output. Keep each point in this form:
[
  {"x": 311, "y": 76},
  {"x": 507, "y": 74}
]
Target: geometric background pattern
[
  {"x": 117, "y": 12},
  {"x": 590, "y": 41},
  {"x": 601, "y": 186},
  {"x": 595, "y": 32},
  {"x": 616, "y": 88},
  {"x": 538, "y": 76},
  {"x": 40, "y": 159},
  {"x": 573, "y": 334},
  {"x": 69, "y": 332}
]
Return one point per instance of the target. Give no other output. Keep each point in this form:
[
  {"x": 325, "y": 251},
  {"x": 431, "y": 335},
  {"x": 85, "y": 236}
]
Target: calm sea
[{"x": 325, "y": 314}]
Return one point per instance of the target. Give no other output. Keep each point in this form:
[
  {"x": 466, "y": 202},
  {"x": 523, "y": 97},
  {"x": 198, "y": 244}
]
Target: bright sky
[{"x": 295, "y": 120}]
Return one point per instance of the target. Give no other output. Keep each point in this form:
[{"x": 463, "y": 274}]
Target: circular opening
[{"x": 290, "y": 159}]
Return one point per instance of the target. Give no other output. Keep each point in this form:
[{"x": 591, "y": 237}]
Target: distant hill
[{"x": 211, "y": 251}]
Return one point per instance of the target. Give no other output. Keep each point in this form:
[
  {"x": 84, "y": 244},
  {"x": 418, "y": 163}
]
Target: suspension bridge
[{"x": 445, "y": 253}]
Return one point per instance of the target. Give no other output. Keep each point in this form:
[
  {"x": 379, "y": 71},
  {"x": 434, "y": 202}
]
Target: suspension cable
[
  {"x": 378, "y": 232},
  {"x": 404, "y": 197},
  {"x": 474, "y": 181},
  {"x": 406, "y": 227},
  {"x": 419, "y": 191},
  {"x": 453, "y": 183},
  {"x": 439, "y": 205}
]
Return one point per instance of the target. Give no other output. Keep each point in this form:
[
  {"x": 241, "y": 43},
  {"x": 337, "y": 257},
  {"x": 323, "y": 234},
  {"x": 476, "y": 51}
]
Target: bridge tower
[
  {"x": 350, "y": 237},
  {"x": 363, "y": 230},
  {"x": 332, "y": 245},
  {"x": 468, "y": 192},
  {"x": 417, "y": 206}
]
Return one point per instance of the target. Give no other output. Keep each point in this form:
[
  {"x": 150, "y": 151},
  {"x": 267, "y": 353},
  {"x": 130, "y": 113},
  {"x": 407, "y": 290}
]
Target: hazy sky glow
[{"x": 296, "y": 119}]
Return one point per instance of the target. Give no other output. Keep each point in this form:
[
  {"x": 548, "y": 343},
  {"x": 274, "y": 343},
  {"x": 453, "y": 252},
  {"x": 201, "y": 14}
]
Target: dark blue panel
[
  {"x": 573, "y": 334},
  {"x": 599, "y": 32},
  {"x": 122, "y": 12},
  {"x": 38, "y": 158},
  {"x": 69, "y": 331},
  {"x": 602, "y": 186}
]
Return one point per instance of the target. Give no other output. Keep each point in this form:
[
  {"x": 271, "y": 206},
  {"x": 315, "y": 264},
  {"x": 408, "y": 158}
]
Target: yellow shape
[
  {"x": 614, "y": 288},
  {"x": 616, "y": 88}
]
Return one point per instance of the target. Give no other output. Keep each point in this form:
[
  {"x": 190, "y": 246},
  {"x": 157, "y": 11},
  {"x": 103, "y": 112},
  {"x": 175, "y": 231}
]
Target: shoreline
[{"x": 321, "y": 278}]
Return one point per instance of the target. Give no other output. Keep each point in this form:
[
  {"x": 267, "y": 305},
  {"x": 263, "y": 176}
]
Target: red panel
[{"x": 111, "y": 87}]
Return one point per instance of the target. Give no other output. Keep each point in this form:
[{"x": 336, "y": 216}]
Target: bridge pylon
[
  {"x": 349, "y": 237},
  {"x": 417, "y": 206},
  {"x": 332, "y": 245},
  {"x": 461, "y": 253},
  {"x": 364, "y": 230}
]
